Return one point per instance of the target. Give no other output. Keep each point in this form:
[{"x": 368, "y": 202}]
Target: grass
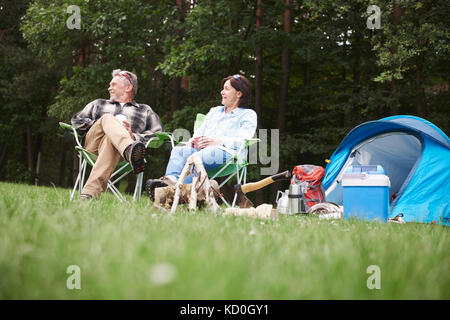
[{"x": 131, "y": 251}]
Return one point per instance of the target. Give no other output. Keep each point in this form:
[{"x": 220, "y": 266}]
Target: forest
[{"x": 318, "y": 69}]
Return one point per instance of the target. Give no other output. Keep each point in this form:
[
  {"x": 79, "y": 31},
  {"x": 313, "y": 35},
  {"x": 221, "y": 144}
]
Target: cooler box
[{"x": 366, "y": 193}]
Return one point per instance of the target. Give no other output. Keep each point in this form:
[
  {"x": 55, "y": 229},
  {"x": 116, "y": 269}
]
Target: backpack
[{"x": 310, "y": 178}]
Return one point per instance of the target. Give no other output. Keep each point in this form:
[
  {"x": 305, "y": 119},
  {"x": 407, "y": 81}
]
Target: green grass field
[{"x": 131, "y": 251}]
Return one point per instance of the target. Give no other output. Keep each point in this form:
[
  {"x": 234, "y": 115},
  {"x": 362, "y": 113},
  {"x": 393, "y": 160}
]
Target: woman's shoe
[{"x": 152, "y": 184}]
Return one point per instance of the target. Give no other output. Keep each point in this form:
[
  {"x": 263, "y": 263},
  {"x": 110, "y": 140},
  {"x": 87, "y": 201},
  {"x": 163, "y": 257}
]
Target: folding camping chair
[
  {"x": 233, "y": 167},
  {"x": 122, "y": 169}
]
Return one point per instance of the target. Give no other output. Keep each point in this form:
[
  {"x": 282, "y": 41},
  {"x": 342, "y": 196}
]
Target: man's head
[{"x": 123, "y": 86}]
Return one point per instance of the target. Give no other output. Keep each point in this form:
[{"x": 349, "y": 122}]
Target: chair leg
[
  {"x": 138, "y": 187},
  {"x": 83, "y": 175},
  {"x": 80, "y": 178},
  {"x": 245, "y": 175},
  {"x": 116, "y": 192},
  {"x": 75, "y": 186},
  {"x": 239, "y": 179},
  {"x": 225, "y": 201},
  {"x": 234, "y": 200},
  {"x": 81, "y": 164},
  {"x": 226, "y": 180}
]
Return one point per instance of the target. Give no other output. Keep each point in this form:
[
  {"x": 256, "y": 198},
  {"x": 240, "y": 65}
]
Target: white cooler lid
[{"x": 365, "y": 180}]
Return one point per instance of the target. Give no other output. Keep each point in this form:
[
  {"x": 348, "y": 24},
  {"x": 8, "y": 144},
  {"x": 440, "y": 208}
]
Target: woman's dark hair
[{"x": 241, "y": 83}]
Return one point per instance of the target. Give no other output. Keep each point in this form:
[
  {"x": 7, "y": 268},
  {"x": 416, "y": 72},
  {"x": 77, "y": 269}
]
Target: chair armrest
[
  {"x": 158, "y": 140},
  {"x": 246, "y": 144},
  {"x": 166, "y": 136},
  {"x": 66, "y": 126},
  {"x": 154, "y": 142},
  {"x": 163, "y": 135},
  {"x": 69, "y": 127},
  {"x": 249, "y": 142}
]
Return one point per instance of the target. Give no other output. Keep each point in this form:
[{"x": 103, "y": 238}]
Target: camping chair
[
  {"x": 122, "y": 169},
  {"x": 233, "y": 167}
]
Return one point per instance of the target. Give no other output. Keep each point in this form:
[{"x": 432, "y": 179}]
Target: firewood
[
  {"x": 264, "y": 211},
  {"x": 193, "y": 198},
  {"x": 203, "y": 183}
]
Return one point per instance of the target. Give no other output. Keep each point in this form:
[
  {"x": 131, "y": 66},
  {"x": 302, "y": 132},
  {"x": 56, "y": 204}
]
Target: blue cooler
[{"x": 366, "y": 193}]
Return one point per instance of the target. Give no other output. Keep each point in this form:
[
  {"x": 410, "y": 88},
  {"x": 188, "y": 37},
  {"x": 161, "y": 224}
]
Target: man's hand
[
  {"x": 86, "y": 126},
  {"x": 204, "y": 142},
  {"x": 128, "y": 128}
]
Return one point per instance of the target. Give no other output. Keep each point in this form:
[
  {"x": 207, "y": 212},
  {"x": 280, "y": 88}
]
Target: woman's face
[{"x": 230, "y": 96}]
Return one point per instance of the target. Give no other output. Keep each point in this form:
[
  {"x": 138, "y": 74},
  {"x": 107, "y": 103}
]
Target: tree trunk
[
  {"x": 38, "y": 167},
  {"x": 356, "y": 74},
  {"x": 306, "y": 71},
  {"x": 397, "y": 17},
  {"x": 176, "y": 82},
  {"x": 82, "y": 62},
  {"x": 3, "y": 157},
  {"x": 76, "y": 166},
  {"x": 420, "y": 93},
  {"x": 62, "y": 162},
  {"x": 259, "y": 66},
  {"x": 284, "y": 86},
  {"x": 185, "y": 83},
  {"x": 259, "y": 195},
  {"x": 381, "y": 105},
  {"x": 29, "y": 148},
  {"x": 346, "y": 115},
  {"x": 175, "y": 96},
  {"x": 38, "y": 153}
]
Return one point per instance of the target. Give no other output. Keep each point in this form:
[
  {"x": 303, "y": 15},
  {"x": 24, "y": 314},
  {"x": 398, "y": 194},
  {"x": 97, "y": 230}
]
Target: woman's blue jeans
[{"x": 212, "y": 157}]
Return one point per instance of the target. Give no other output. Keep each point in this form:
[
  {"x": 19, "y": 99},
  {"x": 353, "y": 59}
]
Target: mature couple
[{"x": 112, "y": 137}]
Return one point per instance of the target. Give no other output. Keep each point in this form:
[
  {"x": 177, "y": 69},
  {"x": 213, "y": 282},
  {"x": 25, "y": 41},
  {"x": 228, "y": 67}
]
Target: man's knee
[{"x": 106, "y": 117}]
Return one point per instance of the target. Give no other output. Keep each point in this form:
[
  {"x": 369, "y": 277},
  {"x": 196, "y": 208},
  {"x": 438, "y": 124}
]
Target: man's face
[{"x": 117, "y": 88}]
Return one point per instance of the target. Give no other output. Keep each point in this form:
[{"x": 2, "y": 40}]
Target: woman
[{"x": 223, "y": 131}]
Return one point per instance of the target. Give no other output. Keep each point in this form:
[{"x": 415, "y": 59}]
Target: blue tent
[{"x": 415, "y": 155}]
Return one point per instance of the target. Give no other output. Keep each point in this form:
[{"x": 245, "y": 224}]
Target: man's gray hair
[{"x": 132, "y": 77}]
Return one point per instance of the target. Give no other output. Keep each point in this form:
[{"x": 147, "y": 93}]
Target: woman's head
[{"x": 236, "y": 89}]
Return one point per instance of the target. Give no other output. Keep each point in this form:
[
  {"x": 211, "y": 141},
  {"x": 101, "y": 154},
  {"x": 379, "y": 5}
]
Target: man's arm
[
  {"x": 153, "y": 125},
  {"x": 84, "y": 119},
  {"x": 128, "y": 128}
]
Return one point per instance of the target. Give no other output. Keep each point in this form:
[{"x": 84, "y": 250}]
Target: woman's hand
[{"x": 204, "y": 142}]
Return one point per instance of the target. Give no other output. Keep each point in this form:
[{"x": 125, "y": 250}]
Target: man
[{"x": 109, "y": 137}]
